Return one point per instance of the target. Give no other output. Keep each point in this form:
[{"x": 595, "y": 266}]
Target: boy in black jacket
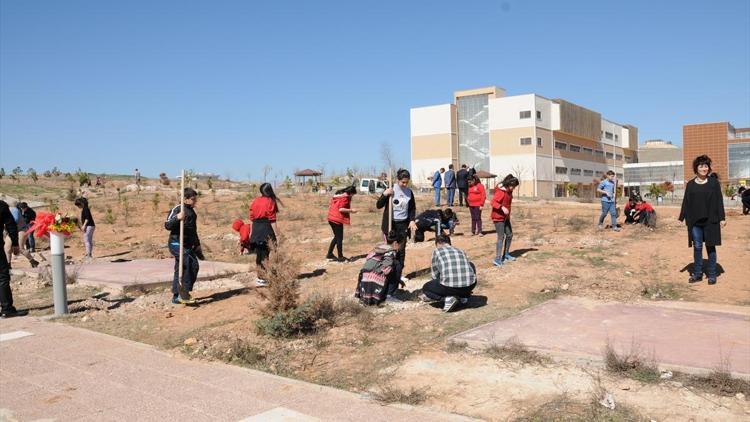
[
  {"x": 428, "y": 220},
  {"x": 191, "y": 247},
  {"x": 7, "y": 223}
]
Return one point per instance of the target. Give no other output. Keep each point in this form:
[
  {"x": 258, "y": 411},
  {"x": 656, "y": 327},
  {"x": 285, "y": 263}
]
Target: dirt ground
[{"x": 403, "y": 346}]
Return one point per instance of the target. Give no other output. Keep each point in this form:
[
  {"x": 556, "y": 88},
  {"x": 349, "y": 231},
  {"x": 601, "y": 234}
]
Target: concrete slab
[
  {"x": 688, "y": 337},
  {"x": 138, "y": 274},
  {"x": 14, "y": 335},
  {"x": 106, "y": 378}
]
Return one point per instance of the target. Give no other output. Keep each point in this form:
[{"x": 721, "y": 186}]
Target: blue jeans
[
  {"x": 451, "y": 194},
  {"x": 697, "y": 232},
  {"x": 437, "y": 197},
  {"x": 608, "y": 208},
  {"x": 190, "y": 267}
]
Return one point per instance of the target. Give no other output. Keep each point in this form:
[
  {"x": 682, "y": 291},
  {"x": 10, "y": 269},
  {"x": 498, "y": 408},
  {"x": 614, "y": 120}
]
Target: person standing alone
[
  {"x": 606, "y": 190},
  {"x": 703, "y": 213}
]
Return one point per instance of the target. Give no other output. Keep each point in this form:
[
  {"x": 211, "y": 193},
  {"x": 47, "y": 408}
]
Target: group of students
[{"x": 638, "y": 211}]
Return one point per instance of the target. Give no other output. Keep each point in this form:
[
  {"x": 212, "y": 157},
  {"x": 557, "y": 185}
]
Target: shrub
[
  {"x": 109, "y": 217},
  {"x": 71, "y": 195}
]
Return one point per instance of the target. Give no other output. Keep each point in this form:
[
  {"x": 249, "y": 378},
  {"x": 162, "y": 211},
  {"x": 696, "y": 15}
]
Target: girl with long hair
[{"x": 262, "y": 213}]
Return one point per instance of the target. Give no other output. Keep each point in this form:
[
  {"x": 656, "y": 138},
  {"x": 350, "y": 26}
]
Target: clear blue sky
[{"x": 229, "y": 86}]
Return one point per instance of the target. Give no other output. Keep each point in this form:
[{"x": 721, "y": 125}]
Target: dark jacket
[
  {"x": 450, "y": 179},
  {"x": 426, "y": 220},
  {"x": 383, "y": 200},
  {"x": 699, "y": 206},
  {"x": 29, "y": 215},
  {"x": 190, "y": 240},
  {"x": 7, "y": 223},
  {"x": 462, "y": 179}
]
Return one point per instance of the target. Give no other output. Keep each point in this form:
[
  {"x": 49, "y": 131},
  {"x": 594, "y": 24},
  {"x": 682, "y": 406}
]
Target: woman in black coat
[
  {"x": 703, "y": 212},
  {"x": 404, "y": 210}
]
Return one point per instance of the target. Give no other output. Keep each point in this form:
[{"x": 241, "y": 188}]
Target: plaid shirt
[{"x": 451, "y": 268}]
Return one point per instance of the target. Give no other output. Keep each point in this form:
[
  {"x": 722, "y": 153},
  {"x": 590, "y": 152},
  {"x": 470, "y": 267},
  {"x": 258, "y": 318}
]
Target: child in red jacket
[
  {"x": 476, "y": 198},
  {"x": 645, "y": 213},
  {"x": 244, "y": 230},
  {"x": 500, "y": 203},
  {"x": 264, "y": 232},
  {"x": 339, "y": 212}
]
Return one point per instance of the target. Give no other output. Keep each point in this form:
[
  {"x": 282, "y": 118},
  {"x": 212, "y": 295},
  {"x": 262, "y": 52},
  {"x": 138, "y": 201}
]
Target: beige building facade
[{"x": 555, "y": 147}]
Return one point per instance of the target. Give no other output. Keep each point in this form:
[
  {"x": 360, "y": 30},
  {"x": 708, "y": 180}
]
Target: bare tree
[
  {"x": 386, "y": 154},
  {"x": 518, "y": 170},
  {"x": 266, "y": 171}
]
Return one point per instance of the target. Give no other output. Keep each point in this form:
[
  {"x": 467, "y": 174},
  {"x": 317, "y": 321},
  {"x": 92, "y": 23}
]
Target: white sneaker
[
  {"x": 261, "y": 283},
  {"x": 404, "y": 279},
  {"x": 450, "y": 303}
]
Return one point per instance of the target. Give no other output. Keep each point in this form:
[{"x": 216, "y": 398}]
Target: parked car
[{"x": 370, "y": 185}]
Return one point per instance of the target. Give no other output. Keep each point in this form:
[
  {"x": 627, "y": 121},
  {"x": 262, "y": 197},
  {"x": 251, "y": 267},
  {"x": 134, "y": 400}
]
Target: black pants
[
  {"x": 436, "y": 291},
  {"x": 338, "y": 239},
  {"x": 463, "y": 193},
  {"x": 393, "y": 279},
  {"x": 190, "y": 267},
  {"x": 403, "y": 228},
  {"x": 262, "y": 252},
  {"x": 6, "y": 296}
]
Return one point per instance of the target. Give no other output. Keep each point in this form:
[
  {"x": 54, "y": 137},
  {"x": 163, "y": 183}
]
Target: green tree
[{"x": 32, "y": 174}]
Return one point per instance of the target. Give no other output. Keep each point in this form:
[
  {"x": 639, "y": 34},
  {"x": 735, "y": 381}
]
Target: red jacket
[
  {"x": 337, "y": 202},
  {"x": 476, "y": 196},
  {"x": 644, "y": 207},
  {"x": 263, "y": 207},
  {"x": 245, "y": 230},
  {"x": 502, "y": 198}
]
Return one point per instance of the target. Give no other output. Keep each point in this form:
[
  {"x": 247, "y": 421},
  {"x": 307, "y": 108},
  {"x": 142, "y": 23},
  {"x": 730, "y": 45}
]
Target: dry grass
[
  {"x": 564, "y": 408},
  {"x": 631, "y": 364},
  {"x": 387, "y": 393},
  {"x": 281, "y": 273},
  {"x": 515, "y": 351},
  {"x": 577, "y": 224}
]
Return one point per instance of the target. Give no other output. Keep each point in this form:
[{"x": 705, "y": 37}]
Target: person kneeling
[
  {"x": 453, "y": 275},
  {"x": 381, "y": 273},
  {"x": 645, "y": 214}
]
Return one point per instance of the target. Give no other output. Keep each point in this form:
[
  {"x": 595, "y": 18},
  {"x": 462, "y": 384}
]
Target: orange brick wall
[{"x": 710, "y": 139}]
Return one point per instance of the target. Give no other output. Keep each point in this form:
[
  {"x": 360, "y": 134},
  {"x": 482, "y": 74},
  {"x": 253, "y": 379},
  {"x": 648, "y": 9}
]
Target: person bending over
[
  {"x": 430, "y": 219},
  {"x": 379, "y": 276}
]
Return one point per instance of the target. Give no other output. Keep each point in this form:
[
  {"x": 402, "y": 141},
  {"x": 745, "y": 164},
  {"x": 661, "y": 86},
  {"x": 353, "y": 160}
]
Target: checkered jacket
[{"x": 451, "y": 268}]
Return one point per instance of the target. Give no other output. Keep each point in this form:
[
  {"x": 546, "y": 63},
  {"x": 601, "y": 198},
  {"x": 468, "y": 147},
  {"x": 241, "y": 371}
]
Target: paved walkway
[
  {"x": 139, "y": 273},
  {"x": 688, "y": 336},
  {"x": 53, "y": 371}
]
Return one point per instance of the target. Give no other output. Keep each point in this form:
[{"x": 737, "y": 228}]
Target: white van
[{"x": 370, "y": 185}]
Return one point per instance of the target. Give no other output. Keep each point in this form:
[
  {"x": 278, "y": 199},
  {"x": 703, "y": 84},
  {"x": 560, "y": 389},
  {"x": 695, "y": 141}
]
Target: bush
[
  {"x": 71, "y": 195},
  {"x": 109, "y": 217}
]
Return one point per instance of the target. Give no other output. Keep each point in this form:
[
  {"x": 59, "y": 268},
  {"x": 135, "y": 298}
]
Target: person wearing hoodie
[
  {"x": 244, "y": 230},
  {"x": 339, "y": 214}
]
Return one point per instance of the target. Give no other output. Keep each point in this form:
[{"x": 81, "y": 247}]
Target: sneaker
[
  {"x": 616, "y": 229},
  {"x": 13, "y": 312},
  {"x": 450, "y": 303},
  {"x": 34, "y": 263},
  {"x": 497, "y": 262},
  {"x": 261, "y": 283},
  {"x": 330, "y": 257},
  {"x": 175, "y": 300},
  {"x": 712, "y": 280},
  {"x": 188, "y": 301},
  {"x": 508, "y": 257},
  {"x": 342, "y": 259},
  {"x": 695, "y": 278},
  {"x": 481, "y": 235},
  {"x": 404, "y": 279},
  {"x": 600, "y": 226},
  {"x": 463, "y": 300}
]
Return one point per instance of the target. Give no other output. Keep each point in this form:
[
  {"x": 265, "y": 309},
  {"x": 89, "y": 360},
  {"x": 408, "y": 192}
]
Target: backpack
[{"x": 371, "y": 284}]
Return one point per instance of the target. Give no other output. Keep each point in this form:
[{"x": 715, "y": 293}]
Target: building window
[
  {"x": 575, "y": 148},
  {"x": 539, "y": 142},
  {"x": 610, "y": 155},
  {"x": 575, "y": 172},
  {"x": 538, "y": 115},
  {"x": 561, "y": 170},
  {"x": 618, "y": 157},
  {"x": 618, "y": 175},
  {"x": 561, "y": 145},
  {"x": 588, "y": 172},
  {"x": 599, "y": 153},
  {"x": 628, "y": 159},
  {"x": 525, "y": 114},
  {"x": 616, "y": 137},
  {"x": 588, "y": 150},
  {"x": 525, "y": 141},
  {"x": 608, "y": 135}
]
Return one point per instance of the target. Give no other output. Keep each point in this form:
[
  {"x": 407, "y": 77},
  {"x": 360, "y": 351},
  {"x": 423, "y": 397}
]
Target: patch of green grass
[{"x": 540, "y": 256}]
